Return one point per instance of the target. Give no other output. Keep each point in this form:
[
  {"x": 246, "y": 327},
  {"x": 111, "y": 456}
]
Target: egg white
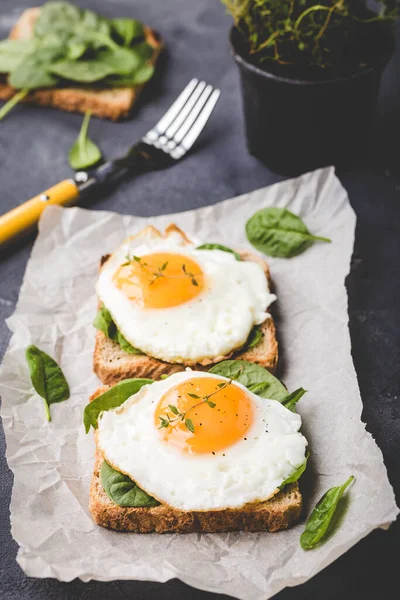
[
  {"x": 250, "y": 470},
  {"x": 234, "y": 299}
]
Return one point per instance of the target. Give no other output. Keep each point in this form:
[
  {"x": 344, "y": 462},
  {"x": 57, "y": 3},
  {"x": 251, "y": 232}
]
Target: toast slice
[
  {"x": 113, "y": 104},
  {"x": 279, "y": 512},
  {"x": 111, "y": 364}
]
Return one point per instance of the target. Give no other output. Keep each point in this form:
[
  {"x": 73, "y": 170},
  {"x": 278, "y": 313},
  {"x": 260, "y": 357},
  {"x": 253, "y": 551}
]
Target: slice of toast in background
[
  {"x": 111, "y": 364},
  {"x": 110, "y": 103},
  {"x": 279, "y": 512}
]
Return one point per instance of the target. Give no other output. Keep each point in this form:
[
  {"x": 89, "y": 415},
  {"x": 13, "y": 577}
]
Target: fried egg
[
  {"x": 198, "y": 441},
  {"x": 179, "y": 304}
]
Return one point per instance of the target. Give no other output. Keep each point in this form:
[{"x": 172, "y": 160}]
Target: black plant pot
[{"x": 295, "y": 126}]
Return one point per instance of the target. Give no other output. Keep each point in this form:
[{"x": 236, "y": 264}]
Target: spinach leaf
[
  {"x": 255, "y": 378},
  {"x": 254, "y": 337},
  {"x": 297, "y": 473},
  {"x": 13, "y": 52},
  {"x": 112, "y": 398},
  {"x": 141, "y": 75},
  {"x": 57, "y": 17},
  {"x": 122, "y": 61},
  {"x": 291, "y": 400},
  {"x": 279, "y": 232},
  {"x": 122, "y": 490},
  {"x": 32, "y": 72},
  {"x": 84, "y": 153},
  {"x": 127, "y": 30},
  {"x": 82, "y": 71},
  {"x": 47, "y": 378},
  {"x": 104, "y": 322},
  {"x": 318, "y": 522},
  {"x": 8, "y": 106},
  {"x": 144, "y": 50},
  {"x": 76, "y": 48},
  {"x": 218, "y": 247}
]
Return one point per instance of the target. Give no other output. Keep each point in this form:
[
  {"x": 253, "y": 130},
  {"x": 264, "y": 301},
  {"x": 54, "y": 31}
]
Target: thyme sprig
[
  {"x": 160, "y": 271},
  {"x": 182, "y": 416}
]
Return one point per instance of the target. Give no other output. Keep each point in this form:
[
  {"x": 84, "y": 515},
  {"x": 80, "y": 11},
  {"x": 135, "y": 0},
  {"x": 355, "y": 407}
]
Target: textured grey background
[{"x": 33, "y": 149}]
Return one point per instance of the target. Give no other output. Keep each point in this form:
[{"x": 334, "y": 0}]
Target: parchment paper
[{"x": 52, "y": 462}]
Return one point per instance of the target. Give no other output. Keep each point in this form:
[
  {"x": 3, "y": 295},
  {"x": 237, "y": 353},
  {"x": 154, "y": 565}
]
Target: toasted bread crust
[
  {"x": 114, "y": 104},
  {"x": 111, "y": 364}
]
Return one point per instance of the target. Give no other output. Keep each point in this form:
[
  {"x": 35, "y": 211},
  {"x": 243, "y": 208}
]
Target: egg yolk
[
  {"x": 160, "y": 280},
  {"x": 203, "y": 415}
]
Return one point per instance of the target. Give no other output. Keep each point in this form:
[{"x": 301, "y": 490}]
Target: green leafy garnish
[
  {"x": 279, "y": 232},
  {"x": 292, "y": 399},
  {"x": 47, "y": 378},
  {"x": 219, "y": 247},
  {"x": 84, "y": 153},
  {"x": 297, "y": 473},
  {"x": 16, "y": 99},
  {"x": 255, "y": 336},
  {"x": 104, "y": 322},
  {"x": 122, "y": 490},
  {"x": 77, "y": 46},
  {"x": 257, "y": 379},
  {"x": 112, "y": 398},
  {"x": 318, "y": 522}
]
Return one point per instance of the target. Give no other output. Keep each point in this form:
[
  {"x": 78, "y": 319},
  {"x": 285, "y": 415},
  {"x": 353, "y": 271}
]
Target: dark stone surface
[{"x": 33, "y": 150}]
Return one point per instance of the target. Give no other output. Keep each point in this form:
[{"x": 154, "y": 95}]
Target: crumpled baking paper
[{"x": 52, "y": 462}]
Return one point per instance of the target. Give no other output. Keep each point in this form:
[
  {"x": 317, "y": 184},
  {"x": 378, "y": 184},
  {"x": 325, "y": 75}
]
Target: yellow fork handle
[{"x": 25, "y": 216}]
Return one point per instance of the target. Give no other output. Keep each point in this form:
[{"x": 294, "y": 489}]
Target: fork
[{"x": 164, "y": 145}]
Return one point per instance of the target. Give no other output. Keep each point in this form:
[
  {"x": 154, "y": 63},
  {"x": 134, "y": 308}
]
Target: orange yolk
[
  {"x": 160, "y": 280},
  {"x": 214, "y": 427}
]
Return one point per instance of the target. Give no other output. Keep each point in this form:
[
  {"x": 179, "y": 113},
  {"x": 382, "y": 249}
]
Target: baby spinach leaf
[
  {"x": 127, "y": 30},
  {"x": 47, "y": 378},
  {"x": 122, "y": 490},
  {"x": 122, "y": 61},
  {"x": 318, "y": 522},
  {"x": 219, "y": 247},
  {"x": 32, "y": 72},
  {"x": 13, "y": 52},
  {"x": 257, "y": 379},
  {"x": 279, "y": 232},
  {"x": 112, "y": 398},
  {"x": 139, "y": 76},
  {"x": 292, "y": 399},
  {"x": 8, "y": 106},
  {"x": 76, "y": 48},
  {"x": 297, "y": 473},
  {"x": 254, "y": 338},
  {"x": 84, "y": 153},
  {"x": 82, "y": 71},
  {"x": 57, "y": 17},
  {"x": 104, "y": 322},
  {"x": 144, "y": 50}
]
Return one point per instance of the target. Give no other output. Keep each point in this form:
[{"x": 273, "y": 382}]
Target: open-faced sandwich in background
[
  {"x": 195, "y": 452},
  {"x": 167, "y": 303},
  {"x": 76, "y": 60}
]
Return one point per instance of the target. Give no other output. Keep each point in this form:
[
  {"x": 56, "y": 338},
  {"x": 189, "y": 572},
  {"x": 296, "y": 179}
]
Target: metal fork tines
[{"x": 177, "y": 131}]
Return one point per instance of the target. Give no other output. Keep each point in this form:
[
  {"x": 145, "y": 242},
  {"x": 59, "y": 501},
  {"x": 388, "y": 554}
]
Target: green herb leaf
[
  {"x": 127, "y": 30},
  {"x": 318, "y": 522},
  {"x": 104, "y": 322},
  {"x": 173, "y": 409},
  {"x": 297, "y": 473},
  {"x": 189, "y": 425},
  {"x": 112, "y": 398},
  {"x": 13, "y": 52},
  {"x": 291, "y": 400},
  {"x": 82, "y": 71},
  {"x": 122, "y": 490},
  {"x": 194, "y": 396},
  {"x": 279, "y": 232},
  {"x": 164, "y": 376},
  {"x": 47, "y": 378},
  {"x": 8, "y": 106},
  {"x": 164, "y": 422},
  {"x": 219, "y": 247},
  {"x": 253, "y": 377},
  {"x": 254, "y": 337},
  {"x": 211, "y": 404},
  {"x": 84, "y": 153}
]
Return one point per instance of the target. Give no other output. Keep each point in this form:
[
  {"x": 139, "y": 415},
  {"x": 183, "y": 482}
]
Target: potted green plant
[{"x": 310, "y": 75}]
